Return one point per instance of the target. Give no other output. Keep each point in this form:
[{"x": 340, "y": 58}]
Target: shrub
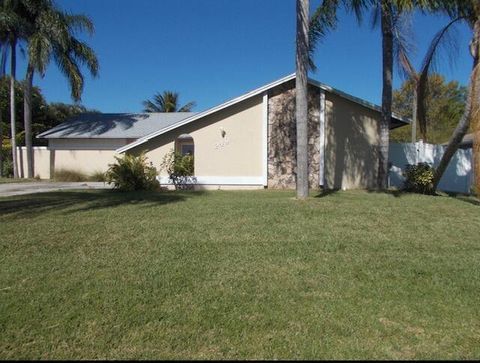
[
  {"x": 132, "y": 172},
  {"x": 180, "y": 169},
  {"x": 98, "y": 176},
  {"x": 419, "y": 178},
  {"x": 7, "y": 167},
  {"x": 68, "y": 175}
]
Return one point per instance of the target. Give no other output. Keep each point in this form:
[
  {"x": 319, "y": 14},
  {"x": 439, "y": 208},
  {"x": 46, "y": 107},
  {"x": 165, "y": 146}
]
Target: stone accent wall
[{"x": 282, "y": 143}]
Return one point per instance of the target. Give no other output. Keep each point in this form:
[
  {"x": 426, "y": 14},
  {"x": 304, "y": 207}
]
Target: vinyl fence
[{"x": 457, "y": 178}]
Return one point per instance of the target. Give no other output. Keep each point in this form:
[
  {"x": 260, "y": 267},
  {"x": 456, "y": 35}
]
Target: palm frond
[
  {"x": 188, "y": 107},
  {"x": 403, "y": 43},
  {"x": 70, "y": 69},
  {"x": 323, "y": 20},
  {"x": 428, "y": 63}
]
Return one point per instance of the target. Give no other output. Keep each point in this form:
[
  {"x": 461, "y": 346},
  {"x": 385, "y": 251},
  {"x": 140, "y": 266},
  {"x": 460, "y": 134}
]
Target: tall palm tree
[
  {"x": 12, "y": 28},
  {"x": 301, "y": 90},
  {"x": 3, "y": 59},
  {"x": 166, "y": 102},
  {"x": 52, "y": 35},
  {"x": 470, "y": 11},
  {"x": 389, "y": 12}
]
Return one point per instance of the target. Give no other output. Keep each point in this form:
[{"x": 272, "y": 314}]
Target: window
[{"x": 187, "y": 149}]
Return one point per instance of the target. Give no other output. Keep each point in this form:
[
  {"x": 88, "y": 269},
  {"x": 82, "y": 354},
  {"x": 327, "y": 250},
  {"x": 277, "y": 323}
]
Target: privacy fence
[{"x": 457, "y": 178}]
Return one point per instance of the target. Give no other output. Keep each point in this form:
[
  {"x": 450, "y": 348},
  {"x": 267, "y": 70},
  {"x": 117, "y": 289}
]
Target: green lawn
[
  {"x": 254, "y": 274},
  {"x": 19, "y": 180}
]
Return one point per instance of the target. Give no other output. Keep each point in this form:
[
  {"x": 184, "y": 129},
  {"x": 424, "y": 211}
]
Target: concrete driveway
[{"x": 9, "y": 189}]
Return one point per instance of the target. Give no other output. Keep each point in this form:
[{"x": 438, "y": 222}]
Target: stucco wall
[
  {"x": 238, "y": 154},
  {"x": 41, "y": 166},
  {"x": 351, "y": 144},
  {"x": 83, "y": 155}
]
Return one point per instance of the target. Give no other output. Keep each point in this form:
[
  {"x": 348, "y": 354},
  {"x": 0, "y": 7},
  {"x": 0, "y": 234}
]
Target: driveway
[{"x": 9, "y": 189}]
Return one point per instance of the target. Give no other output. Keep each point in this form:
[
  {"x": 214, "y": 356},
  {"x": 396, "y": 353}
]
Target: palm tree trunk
[
  {"x": 27, "y": 115},
  {"x": 414, "y": 113},
  {"x": 476, "y": 161},
  {"x": 301, "y": 87},
  {"x": 470, "y": 113},
  {"x": 13, "y": 64},
  {"x": 2, "y": 74},
  {"x": 387, "y": 48}
]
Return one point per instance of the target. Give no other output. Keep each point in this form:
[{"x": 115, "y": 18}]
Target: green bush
[
  {"x": 68, "y": 175},
  {"x": 419, "y": 178},
  {"x": 132, "y": 173},
  {"x": 180, "y": 169},
  {"x": 7, "y": 167},
  {"x": 98, "y": 176}
]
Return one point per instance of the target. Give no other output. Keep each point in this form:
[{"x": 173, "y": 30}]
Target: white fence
[{"x": 457, "y": 178}]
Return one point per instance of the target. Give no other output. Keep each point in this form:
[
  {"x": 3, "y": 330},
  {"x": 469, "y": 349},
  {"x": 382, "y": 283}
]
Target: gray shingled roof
[{"x": 114, "y": 125}]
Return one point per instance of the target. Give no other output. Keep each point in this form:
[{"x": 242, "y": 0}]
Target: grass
[
  {"x": 69, "y": 175},
  {"x": 257, "y": 274},
  {"x": 19, "y": 180}
]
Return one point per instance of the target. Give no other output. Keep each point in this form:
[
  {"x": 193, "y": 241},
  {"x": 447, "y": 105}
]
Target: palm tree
[
  {"x": 389, "y": 12},
  {"x": 52, "y": 35},
  {"x": 166, "y": 102},
  {"x": 469, "y": 10},
  {"x": 3, "y": 61},
  {"x": 12, "y": 27},
  {"x": 420, "y": 79},
  {"x": 301, "y": 90}
]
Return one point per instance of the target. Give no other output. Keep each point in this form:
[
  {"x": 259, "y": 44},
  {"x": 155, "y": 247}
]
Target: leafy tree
[
  {"x": 167, "y": 101},
  {"x": 39, "y": 107},
  {"x": 444, "y": 105}
]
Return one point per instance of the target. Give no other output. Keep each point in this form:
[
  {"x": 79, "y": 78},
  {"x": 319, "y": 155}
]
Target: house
[{"x": 248, "y": 141}]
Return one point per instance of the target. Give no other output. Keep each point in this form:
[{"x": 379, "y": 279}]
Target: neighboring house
[{"x": 246, "y": 142}]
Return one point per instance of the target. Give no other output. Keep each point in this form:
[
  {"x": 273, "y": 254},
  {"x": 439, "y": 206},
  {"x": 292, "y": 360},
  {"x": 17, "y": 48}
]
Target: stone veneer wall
[{"x": 282, "y": 143}]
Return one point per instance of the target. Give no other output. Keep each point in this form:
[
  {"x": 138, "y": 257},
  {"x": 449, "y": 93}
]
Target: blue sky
[{"x": 213, "y": 50}]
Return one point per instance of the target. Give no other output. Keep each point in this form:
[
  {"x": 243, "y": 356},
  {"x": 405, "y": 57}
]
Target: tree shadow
[
  {"x": 393, "y": 192},
  {"x": 464, "y": 198},
  {"x": 81, "y": 201},
  {"x": 95, "y": 124},
  {"x": 326, "y": 192}
]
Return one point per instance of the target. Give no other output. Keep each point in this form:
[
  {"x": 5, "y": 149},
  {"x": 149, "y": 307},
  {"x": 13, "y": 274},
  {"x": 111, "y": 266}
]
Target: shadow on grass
[
  {"x": 326, "y": 192},
  {"x": 394, "y": 192},
  {"x": 75, "y": 201},
  {"x": 464, "y": 198}
]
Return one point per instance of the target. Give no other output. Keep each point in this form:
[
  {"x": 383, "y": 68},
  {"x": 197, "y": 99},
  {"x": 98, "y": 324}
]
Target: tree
[
  {"x": 420, "y": 79},
  {"x": 166, "y": 102},
  {"x": 12, "y": 28},
  {"x": 444, "y": 104},
  {"x": 469, "y": 10},
  {"x": 3, "y": 59},
  {"x": 52, "y": 34},
  {"x": 301, "y": 89},
  {"x": 389, "y": 12}
]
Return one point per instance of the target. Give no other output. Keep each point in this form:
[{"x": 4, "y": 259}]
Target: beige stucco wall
[
  {"x": 351, "y": 143},
  {"x": 84, "y": 155},
  {"x": 238, "y": 154},
  {"x": 41, "y": 166}
]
